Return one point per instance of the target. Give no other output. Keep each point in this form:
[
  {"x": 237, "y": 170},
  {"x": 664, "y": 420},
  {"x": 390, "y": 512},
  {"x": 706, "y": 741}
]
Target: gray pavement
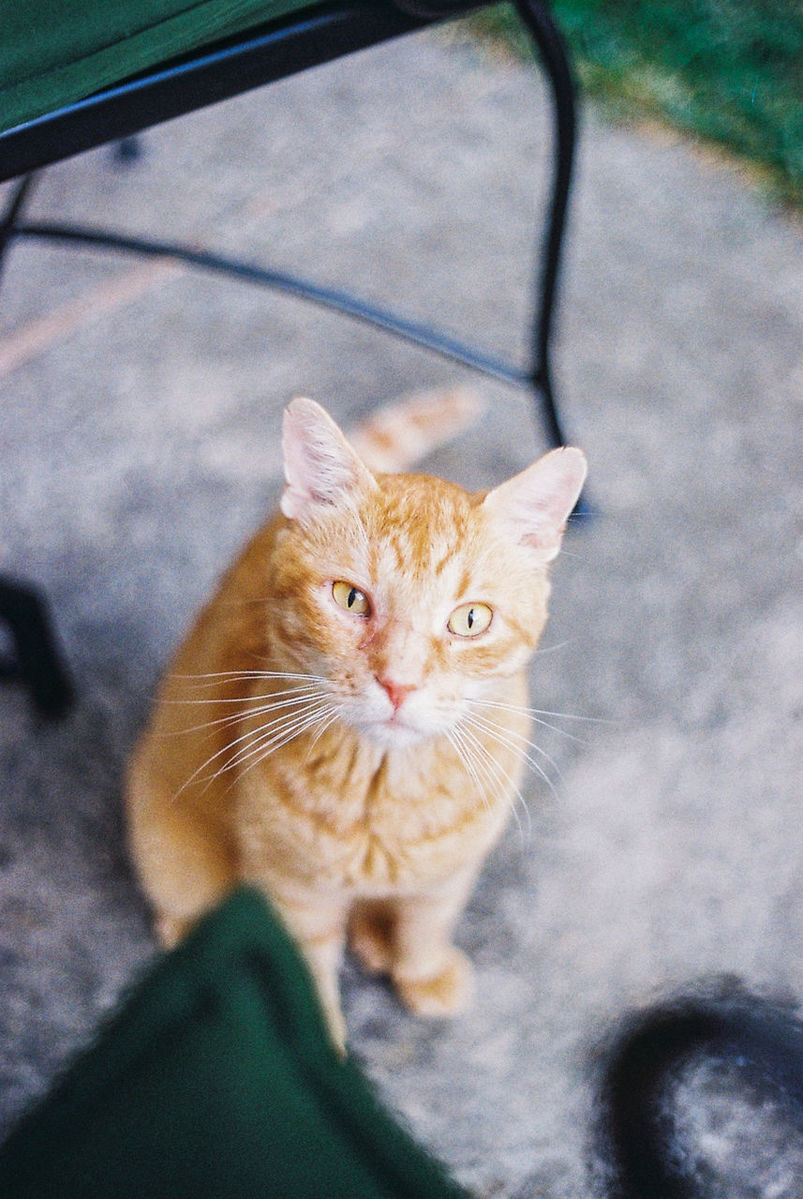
[{"x": 139, "y": 408}]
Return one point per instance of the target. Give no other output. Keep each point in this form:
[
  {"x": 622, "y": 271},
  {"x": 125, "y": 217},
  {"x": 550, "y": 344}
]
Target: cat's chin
[{"x": 392, "y": 734}]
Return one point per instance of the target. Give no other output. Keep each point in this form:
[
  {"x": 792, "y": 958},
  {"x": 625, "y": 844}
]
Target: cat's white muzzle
[{"x": 414, "y": 720}]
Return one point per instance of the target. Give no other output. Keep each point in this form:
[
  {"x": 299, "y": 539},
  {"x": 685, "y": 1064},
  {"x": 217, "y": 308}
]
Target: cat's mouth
[
  {"x": 402, "y": 728},
  {"x": 394, "y": 721},
  {"x": 393, "y": 732}
]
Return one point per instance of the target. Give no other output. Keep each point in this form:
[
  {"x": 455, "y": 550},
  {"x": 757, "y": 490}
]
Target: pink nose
[{"x": 397, "y": 692}]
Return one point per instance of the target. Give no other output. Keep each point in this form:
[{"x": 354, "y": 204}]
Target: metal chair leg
[
  {"x": 555, "y": 61},
  {"x": 37, "y": 660},
  {"x": 538, "y": 19}
]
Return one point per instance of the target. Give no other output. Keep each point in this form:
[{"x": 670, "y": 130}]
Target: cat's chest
[{"x": 390, "y": 824}]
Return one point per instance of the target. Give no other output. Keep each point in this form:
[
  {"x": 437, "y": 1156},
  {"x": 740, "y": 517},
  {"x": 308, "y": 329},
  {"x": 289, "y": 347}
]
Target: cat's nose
[{"x": 397, "y": 692}]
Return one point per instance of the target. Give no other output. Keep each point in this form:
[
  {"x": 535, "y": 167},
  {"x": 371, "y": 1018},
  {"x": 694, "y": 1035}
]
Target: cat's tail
[{"x": 400, "y": 434}]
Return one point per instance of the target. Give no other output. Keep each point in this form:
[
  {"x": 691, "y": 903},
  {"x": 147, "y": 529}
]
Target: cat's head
[{"x": 407, "y": 593}]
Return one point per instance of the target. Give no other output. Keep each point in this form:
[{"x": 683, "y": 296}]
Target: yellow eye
[
  {"x": 469, "y": 620},
  {"x": 347, "y": 596}
]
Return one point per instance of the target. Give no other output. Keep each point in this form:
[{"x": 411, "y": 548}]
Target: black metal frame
[{"x": 314, "y": 36}]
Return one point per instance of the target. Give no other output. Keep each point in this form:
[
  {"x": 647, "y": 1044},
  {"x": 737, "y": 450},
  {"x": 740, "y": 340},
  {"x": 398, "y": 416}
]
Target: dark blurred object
[
  {"x": 639, "y": 1141},
  {"x": 128, "y": 150},
  {"x": 36, "y": 657}
]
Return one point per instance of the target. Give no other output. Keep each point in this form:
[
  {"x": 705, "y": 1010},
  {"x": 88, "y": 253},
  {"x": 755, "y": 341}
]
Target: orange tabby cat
[{"x": 345, "y": 725}]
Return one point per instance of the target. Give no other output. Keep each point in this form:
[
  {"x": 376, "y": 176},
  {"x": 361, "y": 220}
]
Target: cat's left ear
[
  {"x": 320, "y": 466},
  {"x": 533, "y": 507}
]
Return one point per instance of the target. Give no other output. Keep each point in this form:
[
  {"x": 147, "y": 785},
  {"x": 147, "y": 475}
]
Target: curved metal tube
[{"x": 327, "y": 297}]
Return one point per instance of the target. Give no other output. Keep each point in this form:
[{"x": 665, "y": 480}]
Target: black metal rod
[
  {"x": 539, "y": 22},
  {"x": 407, "y": 330}
]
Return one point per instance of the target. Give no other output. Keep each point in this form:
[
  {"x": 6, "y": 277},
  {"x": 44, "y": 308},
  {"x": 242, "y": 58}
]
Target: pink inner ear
[
  {"x": 319, "y": 465},
  {"x": 535, "y": 505}
]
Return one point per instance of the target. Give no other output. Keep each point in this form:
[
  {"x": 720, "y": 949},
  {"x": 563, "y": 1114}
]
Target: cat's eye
[
  {"x": 469, "y": 620},
  {"x": 347, "y": 596}
]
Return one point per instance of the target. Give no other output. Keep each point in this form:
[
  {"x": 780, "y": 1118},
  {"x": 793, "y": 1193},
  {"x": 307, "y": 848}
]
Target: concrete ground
[{"x": 139, "y": 409}]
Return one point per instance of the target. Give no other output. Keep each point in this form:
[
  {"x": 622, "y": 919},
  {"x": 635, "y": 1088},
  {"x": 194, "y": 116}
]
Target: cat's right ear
[{"x": 320, "y": 467}]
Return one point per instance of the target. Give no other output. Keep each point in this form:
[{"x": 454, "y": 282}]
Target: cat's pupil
[
  {"x": 352, "y": 599},
  {"x": 470, "y": 618}
]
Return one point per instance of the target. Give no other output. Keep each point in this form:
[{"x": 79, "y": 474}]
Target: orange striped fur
[{"x": 346, "y": 723}]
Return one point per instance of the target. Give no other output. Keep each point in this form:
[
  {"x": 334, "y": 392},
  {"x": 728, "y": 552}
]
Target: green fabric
[
  {"x": 55, "y": 52},
  {"x": 217, "y": 1079}
]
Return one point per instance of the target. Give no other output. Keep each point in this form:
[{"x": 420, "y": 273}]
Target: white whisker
[
  {"x": 204, "y": 680},
  {"x": 515, "y": 742},
  {"x": 268, "y": 735},
  {"x": 315, "y": 705},
  {"x": 553, "y": 649},
  {"x": 497, "y": 774},
  {"x": 537, "y": 716},
  {"x": 239, "y": 699},
  {"x": 295, "y": 700},
  {"x": 336, "y": 710},
  {"x": 490, "y": 703},
  {"x": 273, "y": 738},
  {"x": 268, "y": 746},
  {"x": 493, "y": 726},
  {"x": 467, "y": 759}
]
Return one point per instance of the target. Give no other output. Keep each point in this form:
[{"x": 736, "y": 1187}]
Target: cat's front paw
[{"x": 446, "y": 993}]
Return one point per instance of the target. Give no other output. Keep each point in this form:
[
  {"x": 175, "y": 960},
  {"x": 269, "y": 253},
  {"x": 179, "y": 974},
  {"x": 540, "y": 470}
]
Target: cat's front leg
[
  {"x": 318, "y": 926},
  {"x": 432, "y": 976}
]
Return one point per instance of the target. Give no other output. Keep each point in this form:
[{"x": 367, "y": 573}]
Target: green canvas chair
[{"x": 217, "y": 1080}]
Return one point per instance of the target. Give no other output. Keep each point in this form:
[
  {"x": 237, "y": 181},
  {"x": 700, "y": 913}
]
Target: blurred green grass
[{"x": 725, "y": 71}]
